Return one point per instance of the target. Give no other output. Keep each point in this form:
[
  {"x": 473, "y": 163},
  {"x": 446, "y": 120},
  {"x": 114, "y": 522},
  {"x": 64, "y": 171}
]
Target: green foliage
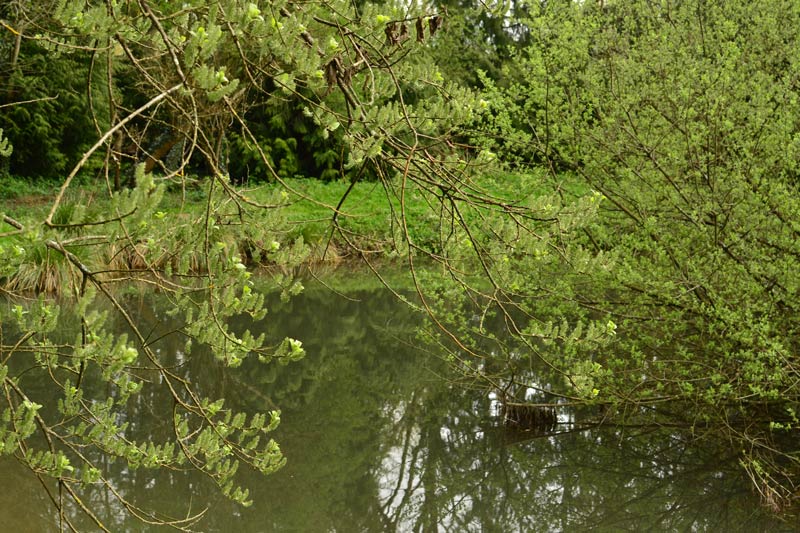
[
  {"x": 210, "y": 438},
  {"x": 209, "y": 81},
  {"x": 479, "y": 38},
  {"x": 682, "y": 119},
  {"x": 641, "y": 252},
  {"x": 5, "y": 146},
  {"x": 293, "y": 141},
  {"x": 50, "y": 131}
]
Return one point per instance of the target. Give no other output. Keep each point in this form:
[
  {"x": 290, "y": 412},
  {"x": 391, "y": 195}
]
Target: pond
[{"x": 378, "y": 437}]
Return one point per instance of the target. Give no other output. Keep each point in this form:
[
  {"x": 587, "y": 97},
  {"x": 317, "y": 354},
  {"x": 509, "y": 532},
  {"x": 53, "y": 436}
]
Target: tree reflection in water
[{"x": 379, "y": 439}]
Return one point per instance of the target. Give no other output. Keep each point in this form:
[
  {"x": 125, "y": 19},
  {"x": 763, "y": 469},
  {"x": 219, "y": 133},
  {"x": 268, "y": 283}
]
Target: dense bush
[
  {"x": 681, "y": 120},
  {"x": 53, "y": 128}
]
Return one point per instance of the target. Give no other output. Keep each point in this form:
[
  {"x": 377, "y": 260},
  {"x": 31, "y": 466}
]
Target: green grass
[
  {"x": 371, "y": 215},
  {"x": 365, "y": 211},
  {"x": 13, "y": 188},
  {"x": 368, "y": 215}
]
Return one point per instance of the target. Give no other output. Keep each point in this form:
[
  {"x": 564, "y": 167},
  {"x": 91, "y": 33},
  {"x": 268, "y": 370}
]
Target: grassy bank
[{"x": 300, "y": 221}]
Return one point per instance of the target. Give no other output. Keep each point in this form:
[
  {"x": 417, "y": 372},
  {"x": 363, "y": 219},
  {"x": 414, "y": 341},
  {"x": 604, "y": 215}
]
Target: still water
[{"x": 379, "y": 438}]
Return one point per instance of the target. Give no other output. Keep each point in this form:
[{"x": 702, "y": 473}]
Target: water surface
[{"x": 378, "y": 437}]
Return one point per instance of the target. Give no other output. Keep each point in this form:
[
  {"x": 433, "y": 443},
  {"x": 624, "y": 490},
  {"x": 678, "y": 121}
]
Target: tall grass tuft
[{"x": 43, "y": 271}]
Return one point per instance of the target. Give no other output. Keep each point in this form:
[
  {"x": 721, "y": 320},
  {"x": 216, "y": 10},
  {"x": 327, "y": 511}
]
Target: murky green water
[{"x": 379, "y": 439}]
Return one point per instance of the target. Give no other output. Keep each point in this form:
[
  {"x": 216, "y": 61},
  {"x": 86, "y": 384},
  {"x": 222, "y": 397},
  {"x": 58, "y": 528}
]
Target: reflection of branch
[
  {"x": 406, "y": 466},
  {"x": 16, "y": 346},
  {"x": 519, "y": 436}
]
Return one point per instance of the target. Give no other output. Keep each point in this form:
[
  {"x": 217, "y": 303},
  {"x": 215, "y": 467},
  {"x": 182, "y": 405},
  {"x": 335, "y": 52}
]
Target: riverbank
[{"x": 171, "y": 228}]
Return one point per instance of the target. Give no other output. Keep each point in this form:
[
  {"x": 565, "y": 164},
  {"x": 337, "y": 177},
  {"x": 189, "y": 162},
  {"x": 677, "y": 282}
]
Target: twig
[{"x": 99, "y": 143}]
